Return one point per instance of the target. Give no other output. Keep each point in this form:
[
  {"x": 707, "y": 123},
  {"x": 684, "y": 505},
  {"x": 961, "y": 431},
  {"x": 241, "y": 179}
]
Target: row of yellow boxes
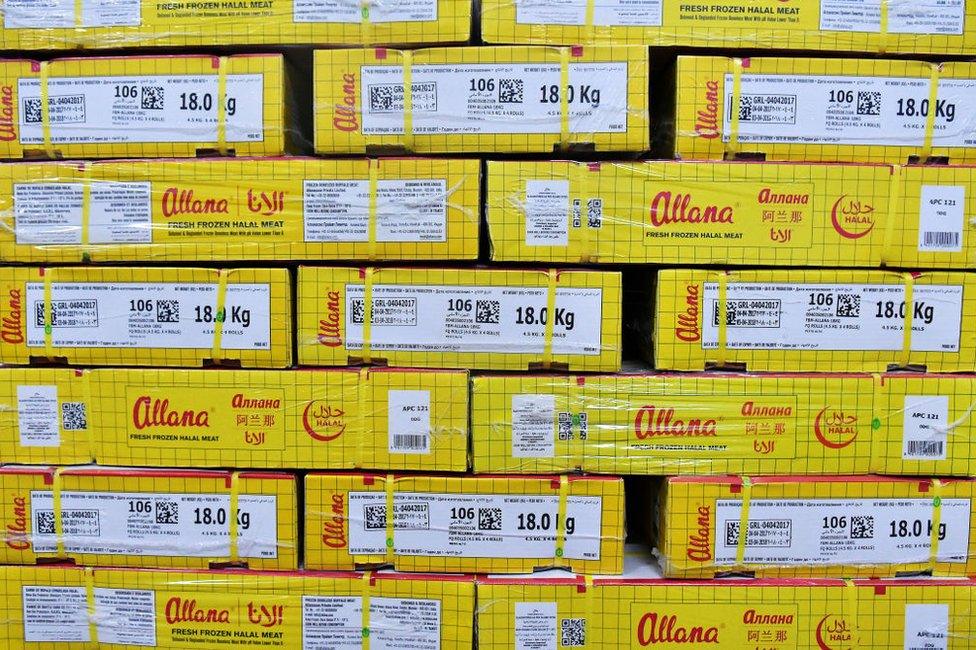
[
  {"x": 62, "y": 607},
  {"x": 402, "y": 419},
  {"x": 497, "y": 319},
  {"x": 827, "y": 25},
  {"x": 494, "y": 99},
  {"x": 764, "y": 214}
]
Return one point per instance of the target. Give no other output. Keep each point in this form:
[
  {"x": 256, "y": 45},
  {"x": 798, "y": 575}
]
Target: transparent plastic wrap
[
  {"x": 471, "y": 524},
  {"x": 495, "y": 99},
  {"x": 813, "y": 320},
  {"x": 68, "y": 607},
  {"x": 138, "y": 316},
  {"x": 69, "y": 24},
  {"x": 460, "y": 318},
  {"x": 824, "y": 110},
  {"x": 223, "y": 209},
  {"x": 149, "y": 517},
  {"x": 827, "y": 526}
]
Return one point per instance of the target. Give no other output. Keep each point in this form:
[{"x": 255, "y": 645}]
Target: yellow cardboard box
[
  {"x": 63, "y": 24},
  {"x": 836, "y": 526},
  {"x": 703, "y": 423},
  {"x": 482, "y": 99},
  {"x": 814, "y": 320},
  {"x": 239, "y": 209},
  {"x": 823, "y": 25},
  {"x": 136, "y": 316},
  {"x": 797, "y": 109},
  {"x": 61, "y": 607},
  {"x": 470, "y": 524},
  {"x": 148, "y": 106},
  {"x": 640, "y": 609},
  {"x": 459, "y": 318},
  {"x": 148, "y": 518}
]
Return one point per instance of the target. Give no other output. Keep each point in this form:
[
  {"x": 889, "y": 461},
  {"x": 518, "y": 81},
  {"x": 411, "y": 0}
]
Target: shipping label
[
  {"x": 408, "y": 421},
  {"x": 149, "y": 315},
  {"x": 790, "y": 532},
  {"x": 915, "y": 17},
  {"x": 535, "y": 626},
  {"x": 926, "y": 626},
  {"x": 502, "y": 320},
  {"x": 941, "y": 216},
  {"x": 47, "y": 14},
  {"x": 765, "y": 316},
  {"x": 150, "y": 523},
  {"x": 614, "y": 13},
  {"x": 52, "y": 213},
  {"x": 474, "y": 525},
  {"x": 336, "y": 623},
  {"x": 491, "y": 98},
  {"x": 344, "y": 11},
  {"x": 157, "y": 108},
  {"x": 925, "y": 428},
  {"x": 37, "y": 416}
]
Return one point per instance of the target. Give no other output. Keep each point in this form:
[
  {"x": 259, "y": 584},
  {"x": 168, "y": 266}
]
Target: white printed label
[
  {"x": 495, "y": 98},
  {"x": 45, "y": 14},
  {"x": 55, "y": 614},
  {"x": 532, "y": 426},
  {"x": 904, "y": 17},
  {"x": 535, "y": 626},
  {"x": 474, "y": 525},
  {"x": 408, "y": 421},
  {"x": 924, "y": 433},
  {"x": 37, "y": 416},
  {"x": 502, "y": 320},
  {"x": 765, "y": 316},
  {"x": 351, "y": 11},
  {"x": 612, "y": 13},
  {"x": 161, "y": 108},
  {"x": 820, "y": 109},
  {"x": 841, "y": 531},
  {"x": 336, "y": 623},
  {"x": 51, "y": 213},
  {"x": 927, "y": 627},
  {"x": 125, "y": 616},
  {"x": 143, "y": 315},
  {"x": 940, "y": 218},
  {"x": 546, "y": 213},
  {"x": 413, "y": 210},
  {"x": 147, "y": 523}
]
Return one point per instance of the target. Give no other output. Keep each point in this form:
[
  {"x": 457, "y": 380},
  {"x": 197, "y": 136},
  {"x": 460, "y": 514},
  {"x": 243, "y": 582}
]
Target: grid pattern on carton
[
  {"x": 694, "y": 72},
  {"x": 316, "y": 283},
  {"x": 628, "y": 190},
  {"x": 183, "y": 482},
  {"x": 271, "y": 67},
  {"x": 357, "y": 435},
  {"x": 623, "y": 412},
  {"x": 322, "y": 491},
  {"x": 331, "y": 66},
  {"x": 242, "y": 183},
  {"x": 273, "y": 26},
  {"x": 672, "y": 353}
]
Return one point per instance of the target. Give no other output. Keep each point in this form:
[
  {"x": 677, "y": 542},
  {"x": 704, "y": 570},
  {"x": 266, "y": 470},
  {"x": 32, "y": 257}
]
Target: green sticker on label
[
  {"x": 559, "y": 552},
  {"x": 876, "y": 424},
  {"x": 389, "y": 542},
  {"x": 365, "y": 631},
  {"x": 937, "y": 501},
  {"x": 576, "y": 419}
]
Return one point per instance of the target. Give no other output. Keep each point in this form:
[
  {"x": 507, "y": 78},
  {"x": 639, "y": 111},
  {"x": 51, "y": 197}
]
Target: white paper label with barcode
[
  {"x": 51, "y": 213},
  {"x": 940, "y": 218},
  {"x": 925, "y": 434},
  {"x": 351, "y": 11},
  {"x": 55, "y": 614},
  {"x": 149, "y": 523},
  {"x": 546, "y": 213},
  {"x": 336, "y": 623},
  {"x": 474, "y": 525},
  {"x": 37, "y": 416},
  {"x": 30, "y": 14},
  {"x": 535, "y": 626},
  {"x": 927, "y": 626},
  {"x": 408, "y": 421},
  {"x": 912, "y": 17},
  {"x": 532, "y": 426},
  {"x": 638, "y": 13}
]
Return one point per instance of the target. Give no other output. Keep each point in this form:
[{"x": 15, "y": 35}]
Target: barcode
[
  {"x": 940, "y": 239},
  {"x": 416, "y": 442},
  {"x": 924, "y": 448}
]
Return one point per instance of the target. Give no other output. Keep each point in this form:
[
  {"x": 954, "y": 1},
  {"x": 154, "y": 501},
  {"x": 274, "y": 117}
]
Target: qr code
[
  {"x": 167, "y": 311},
  {"x": 862, "y": 527},
  {"x": 32, "y": 110},
  {"x": 731, "y": 533},
  {"x": 167, "y": 512},
  {"x": 488, "y": 312},
  {"x": 848, "y": 305},
  {"x": 375, "y": 517},
  {"x": 385, "y": 98},
  {"x": 152, "y": 98},
  {"x": 573, "y": 632},
  {"x": 869, "y": 102},
  {"x": 583, "y": 428},
  {"x": 745, "y": 108},
  {"x": 45, "y": 522},
  {"x": 594, "y": 213},
  {"x": 73, "y": 416},
  {"x": 565, "y": 423},
  {"x": 511, "y": 91},
  {"x": 358, "y": 311},
  {"x": 489, "y": 518},
  {"x": 731, "y": 313}
]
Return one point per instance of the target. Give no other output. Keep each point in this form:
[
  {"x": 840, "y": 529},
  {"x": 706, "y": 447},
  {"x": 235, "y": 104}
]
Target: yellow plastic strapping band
[
  {"x": 46, "y": 111},
  {"x": 362, "y": 386},
  {"x": 79, "y": 13},
  {"x": 364, "y": 595},
  {"x": 90, "y": 599},
  {"x": 926, "y": 151},
  {"x": 552, "y": 279},
  {"x": 936, "y": 522},
  {"x": 588, "y": 21},
  {"x": 732, "y": 146},
  {"x": 48, "y": 274},
  {"x": 906, "y": 344},
  {"x": 588, "y": 596},
  {"x": 883, "y": 28},
  {"x": 390, "y": 485},
  {"x": 222, "y": 105},
  {"x": 850, "y": 609},
  {"x": 220, "y": 314},
  {"x": 85, "y": 206},
  {"x": 561, "y": 517},
  {"x": 722, "y": 342},
  {"x": 564, "y": 134},
  {"x": 582, "y": 174},
  {"x": 877, "y": 382},
  {"x": 57, "y": 513},
  {"x": 232, "y": 515},
  {"x": 740, "y": 547},
  {"x": 893, "y": 215},
  {"x": 367, "y": 313},
  {"x": 365, "y": 24},
  {"x": 374, "y": 173},
  {"x": 89, "y": 408},
  {"x": 407, "y": 62}
]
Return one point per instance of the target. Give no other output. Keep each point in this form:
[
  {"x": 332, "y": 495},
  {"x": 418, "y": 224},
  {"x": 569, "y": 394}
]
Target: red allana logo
[
  {"x": 700, "y": 539},
  {"x": 11, "y": 324},
  {"x": 17, "y": 537},
  {"x": 179, "y": 610},
  {"x": 177, "y": 202},
  {"x": 851, "y": 218},
  {"x": 706, "y": 119},
  {"x": 652, "y": 421},
  {"x": 654, "y": 628},
  {"x": 330, "y": 327},
  {"x": 8, "y": 132},
  {"x": 149, "y": 412},
  {"x": 688, "y": 329},
  {"x": 834, "y": 428},
  {"x": 334, "y": 526},
  {"x": 678, "y": 208},
  {"x": 345, "y": 110}
]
